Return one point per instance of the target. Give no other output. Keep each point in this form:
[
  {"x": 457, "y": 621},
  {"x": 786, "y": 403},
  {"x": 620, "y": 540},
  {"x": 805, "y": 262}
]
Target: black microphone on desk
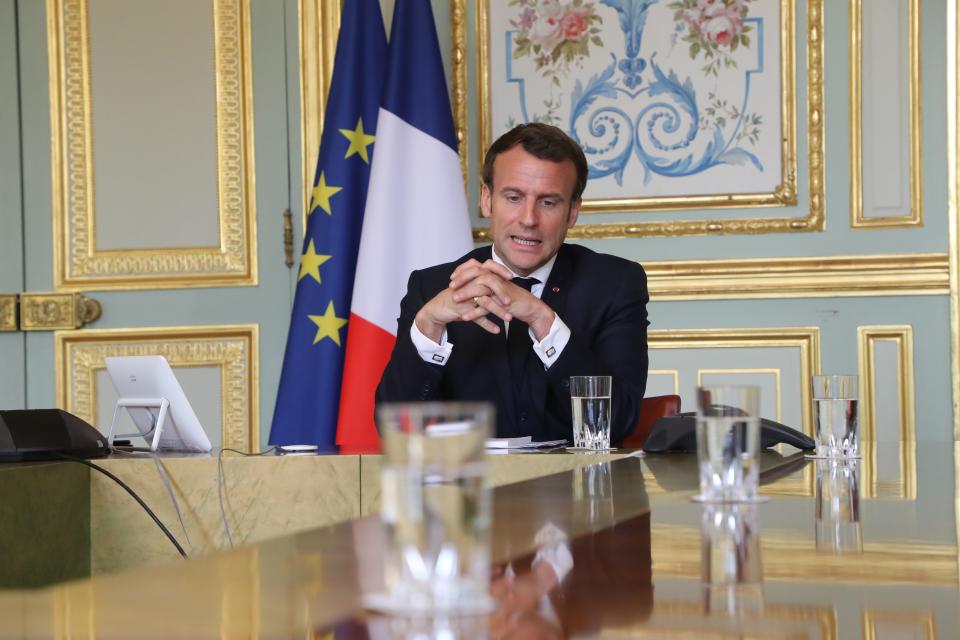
[{"x": 48, "y": 434}]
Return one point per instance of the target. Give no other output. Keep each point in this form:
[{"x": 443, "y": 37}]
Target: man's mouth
[{"x": 525, "y": 242}]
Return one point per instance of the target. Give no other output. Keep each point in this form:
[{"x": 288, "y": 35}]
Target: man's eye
[
  {"x": 513, "y": 198},
  {"x": 549, "y": 204}
]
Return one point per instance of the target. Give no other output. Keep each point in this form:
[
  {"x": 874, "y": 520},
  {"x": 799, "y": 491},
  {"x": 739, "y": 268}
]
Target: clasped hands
[{"x": 477, "y": 289}]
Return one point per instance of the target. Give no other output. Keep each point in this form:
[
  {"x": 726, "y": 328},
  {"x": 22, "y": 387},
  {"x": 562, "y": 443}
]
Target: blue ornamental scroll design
[{"x": 634, "y": 108}]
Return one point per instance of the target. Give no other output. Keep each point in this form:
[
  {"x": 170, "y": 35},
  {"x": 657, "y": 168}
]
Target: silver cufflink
[
  {"x": 551, "y": 351},
  {"x": 438, "y": 358}
]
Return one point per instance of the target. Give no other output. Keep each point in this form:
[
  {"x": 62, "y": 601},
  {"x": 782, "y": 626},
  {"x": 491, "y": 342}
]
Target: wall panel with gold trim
[
  {"x": 752, "y": 356},
  {"x": 152, "y": 144},
  {"x": 953, "y": 219},
  {"x": 663, "y": 382},
  {"x": 886, "y": 172},
  {"x": 231, "y": 351},
  {"x": 887, "y": 410},
  {"x": 897, "y": 623}
]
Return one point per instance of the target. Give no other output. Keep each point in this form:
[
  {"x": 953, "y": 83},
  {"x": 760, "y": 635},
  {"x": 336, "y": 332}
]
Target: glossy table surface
[{"x": 861, "y": 551}]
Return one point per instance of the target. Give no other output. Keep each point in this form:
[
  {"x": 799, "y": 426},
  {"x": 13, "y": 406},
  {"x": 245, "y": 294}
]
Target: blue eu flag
[{"x": 309, "y": 394}]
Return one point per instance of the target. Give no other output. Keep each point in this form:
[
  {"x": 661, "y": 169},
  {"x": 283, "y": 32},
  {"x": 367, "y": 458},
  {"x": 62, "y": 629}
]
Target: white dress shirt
[{"x": 548, "y": 349}]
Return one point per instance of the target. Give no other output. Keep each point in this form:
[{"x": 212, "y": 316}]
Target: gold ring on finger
[{"x": 476, "y": 301}]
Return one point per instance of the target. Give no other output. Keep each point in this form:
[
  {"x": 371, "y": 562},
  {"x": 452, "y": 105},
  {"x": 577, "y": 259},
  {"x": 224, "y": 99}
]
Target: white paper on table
[
  {"x": 508, "y": 443},
  {"x": 523, "y": 442}
]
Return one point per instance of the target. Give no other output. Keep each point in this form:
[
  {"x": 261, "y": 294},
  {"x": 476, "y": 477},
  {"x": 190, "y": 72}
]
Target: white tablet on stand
[{"x": 153, "y": 397}]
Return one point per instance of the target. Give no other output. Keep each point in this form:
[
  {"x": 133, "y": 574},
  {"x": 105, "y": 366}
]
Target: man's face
[{"x": 529, "y": 207}]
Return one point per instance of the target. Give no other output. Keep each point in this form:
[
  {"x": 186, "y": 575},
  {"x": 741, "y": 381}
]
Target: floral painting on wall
[{"x": 673, "y": 101}]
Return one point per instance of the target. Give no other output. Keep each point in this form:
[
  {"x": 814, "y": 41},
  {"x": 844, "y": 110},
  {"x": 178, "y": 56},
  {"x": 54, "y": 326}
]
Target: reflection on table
[{"x": 611, "y": 549}]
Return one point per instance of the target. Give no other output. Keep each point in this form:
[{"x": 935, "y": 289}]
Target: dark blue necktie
[{"x": 518, "y": 337}]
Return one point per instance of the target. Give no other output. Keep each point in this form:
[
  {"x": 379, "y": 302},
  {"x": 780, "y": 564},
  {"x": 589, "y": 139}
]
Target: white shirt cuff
[
  {"x": 429, "y": 350},
  {"x": 550, "y": 348}
]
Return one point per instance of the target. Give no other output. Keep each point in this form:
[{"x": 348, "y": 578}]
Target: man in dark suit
[{"x": 566, "y": 310}]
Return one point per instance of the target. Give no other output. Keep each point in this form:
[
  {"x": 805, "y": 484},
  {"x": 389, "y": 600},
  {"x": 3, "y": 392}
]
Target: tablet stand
[{"x": 141, "y": 403}]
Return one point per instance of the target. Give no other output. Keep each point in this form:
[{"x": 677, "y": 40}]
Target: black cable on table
[{"x": 132, "y": 493}]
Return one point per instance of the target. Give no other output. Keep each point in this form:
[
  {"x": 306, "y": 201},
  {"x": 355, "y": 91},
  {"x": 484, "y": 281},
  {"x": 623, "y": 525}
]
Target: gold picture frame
[{"x": 786, "y": 194}]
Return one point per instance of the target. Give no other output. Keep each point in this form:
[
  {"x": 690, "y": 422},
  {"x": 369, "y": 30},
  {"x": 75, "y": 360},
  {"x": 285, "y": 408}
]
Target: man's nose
[{"x": 529, "y": 214}]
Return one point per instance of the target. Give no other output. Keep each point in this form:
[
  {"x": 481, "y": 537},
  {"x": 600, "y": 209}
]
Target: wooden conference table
[{"x": 819, "y": 558}]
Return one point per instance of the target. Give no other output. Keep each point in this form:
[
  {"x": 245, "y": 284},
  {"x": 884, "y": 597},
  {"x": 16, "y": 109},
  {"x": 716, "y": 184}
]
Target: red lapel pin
[{"x": 556, "y": 289}]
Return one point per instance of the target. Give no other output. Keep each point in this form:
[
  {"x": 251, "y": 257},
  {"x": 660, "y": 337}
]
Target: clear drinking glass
[
  {"x": 728, "y": 442},
  {"x": 436, "y": 507},
  {"x": 835, "y": 416},
  {"x": 590, "y": 402},
  {"x": 837, "y": 501},
  {"x": 730, "y": 568}
]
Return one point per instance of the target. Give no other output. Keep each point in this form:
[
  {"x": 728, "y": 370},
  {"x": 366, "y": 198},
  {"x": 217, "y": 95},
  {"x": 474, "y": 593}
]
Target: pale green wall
[{"x": 12, "y": 391}]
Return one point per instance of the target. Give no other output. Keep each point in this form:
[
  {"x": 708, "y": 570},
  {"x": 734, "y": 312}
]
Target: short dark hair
[{"x": 542, "y": 141}]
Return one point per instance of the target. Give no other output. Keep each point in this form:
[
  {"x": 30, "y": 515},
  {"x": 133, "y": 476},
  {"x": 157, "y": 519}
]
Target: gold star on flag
[
  {"x": 310, "y": 263},
  {"x": 359, "y": 141},
  {"x": 328, "y": 325},
  {"x": 321, "y": 195}
]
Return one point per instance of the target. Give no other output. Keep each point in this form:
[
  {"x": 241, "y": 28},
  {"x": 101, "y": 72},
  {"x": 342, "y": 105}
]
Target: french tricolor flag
[{"x": 415, "y": 216}]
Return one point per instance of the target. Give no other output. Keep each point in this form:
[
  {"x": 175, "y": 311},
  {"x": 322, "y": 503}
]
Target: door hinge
[
  {"x": 47, "y": 311},
  {"x": 8, "y": 312}
]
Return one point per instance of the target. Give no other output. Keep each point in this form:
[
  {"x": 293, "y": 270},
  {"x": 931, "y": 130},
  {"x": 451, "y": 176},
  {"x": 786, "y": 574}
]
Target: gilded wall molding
[
  {"x": 458, "y": 36},
  {"x": 914, "y": 216},
  {"x": 791, "y": 556},
  {"x": 8, "y": 312},
  {"x": 679, "y": 619},
  {"x": 785, "y": 195},
  {"x": 78, "y": 263},
  {"x": 902, "y": 337},
  {"x": 923, "y": 622},
  {"x": 805, "y": 339},
  {"x": 673, "y": 373},
  {"x": 739, "y": 371},
  {"x": 80, "y": 354},
  {"x": 319, "y": 24},
  {"x": 824, "y": 276}
]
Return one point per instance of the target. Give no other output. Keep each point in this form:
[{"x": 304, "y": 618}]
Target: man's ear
[
  {"x": 485, "y": 200},
  {"x": 574, "y": 213}
]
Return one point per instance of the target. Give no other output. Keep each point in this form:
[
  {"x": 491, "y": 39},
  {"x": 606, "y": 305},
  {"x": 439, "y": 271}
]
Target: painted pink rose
[
  {"x": 574, "y": 23},
  {"x": 547, "y": 33},
  {"x": 720, "y": 30},
  {"x": 712, "y": 8}
]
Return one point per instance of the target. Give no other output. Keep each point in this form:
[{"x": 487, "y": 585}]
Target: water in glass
[
  {"x": 727, "y": 452},
  {"x": 591, "y": 422},
  {"x": 835, "y": 423},
  {"x": 437, "y": 523}
]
